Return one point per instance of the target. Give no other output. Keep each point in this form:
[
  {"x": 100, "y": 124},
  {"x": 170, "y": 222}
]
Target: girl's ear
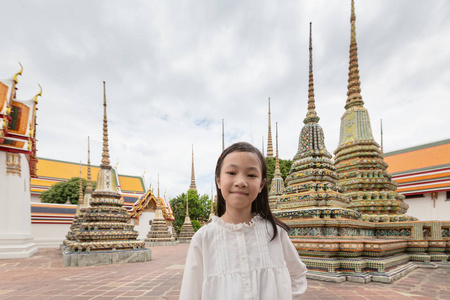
[
  {"x": 263, "y": 183},
  {"x": 218, "y": 182}
]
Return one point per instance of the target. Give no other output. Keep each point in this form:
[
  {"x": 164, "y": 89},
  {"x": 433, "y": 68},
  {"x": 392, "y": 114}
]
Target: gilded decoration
[{"x": 13, "y": 166}]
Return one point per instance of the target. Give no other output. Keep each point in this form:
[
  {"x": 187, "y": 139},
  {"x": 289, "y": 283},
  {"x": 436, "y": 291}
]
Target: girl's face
[{"x": 240, "y": 180}]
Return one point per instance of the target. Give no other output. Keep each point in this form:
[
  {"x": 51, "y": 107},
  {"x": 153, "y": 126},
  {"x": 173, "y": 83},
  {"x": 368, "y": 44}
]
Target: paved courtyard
[{"x": 43, "y": 277}]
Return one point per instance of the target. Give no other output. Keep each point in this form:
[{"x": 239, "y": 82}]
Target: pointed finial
[
  {"x": 311, "y": 115},
  {"x": 18, "y": 73},
  {"x": 277, "y": 161},
  {"x": 223, "y": 137},
  {"x": 269, "y": 138},
  {"x": 89, "y": 183},
  {"x": 158, "y": 185},
  {"x": 187, "y": 204},
  {"x": 354, "y": 97},
  {"x": 192, "y": 187},
  {"x": 105, "y": 154},
  {"x": 80, "y": 189},
  {"x": 38, "y": 94},
  {"x": 381, "y": 127}
]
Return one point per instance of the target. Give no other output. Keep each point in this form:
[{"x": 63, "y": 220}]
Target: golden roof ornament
[{"x": 18, "y": 73}]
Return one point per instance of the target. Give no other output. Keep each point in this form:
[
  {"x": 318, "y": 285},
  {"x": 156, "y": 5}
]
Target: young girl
[{"x": 245, "y": 252}]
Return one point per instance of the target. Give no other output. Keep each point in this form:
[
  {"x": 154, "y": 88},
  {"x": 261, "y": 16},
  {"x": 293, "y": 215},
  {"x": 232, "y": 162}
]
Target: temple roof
[
  {"x": 51, "y": 171},
  {"x": 421, "y": 169}
]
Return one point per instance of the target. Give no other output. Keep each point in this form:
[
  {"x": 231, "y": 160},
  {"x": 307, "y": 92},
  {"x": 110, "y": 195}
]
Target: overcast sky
[{"x": 175, "y": 69}]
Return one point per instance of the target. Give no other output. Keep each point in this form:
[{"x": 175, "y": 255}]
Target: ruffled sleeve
[
  {"x": 297, "y": 269},
  {"x": 191, "y": 287}
]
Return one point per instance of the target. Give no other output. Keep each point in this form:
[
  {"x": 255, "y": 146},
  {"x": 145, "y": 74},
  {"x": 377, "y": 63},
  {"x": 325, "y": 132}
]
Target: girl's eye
[
  {"x": 252, "y": 175},
  {"x": 230, "y": 173}
]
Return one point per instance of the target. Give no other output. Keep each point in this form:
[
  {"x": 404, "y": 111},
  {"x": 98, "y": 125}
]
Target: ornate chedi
[
  {"x": 312, "y": 190},
  {"x": 105, "y": 224},
  {"x": 187, "y": 231},
  {"x": 358, "y": 159},
  {"x": 277, "y": 185}
]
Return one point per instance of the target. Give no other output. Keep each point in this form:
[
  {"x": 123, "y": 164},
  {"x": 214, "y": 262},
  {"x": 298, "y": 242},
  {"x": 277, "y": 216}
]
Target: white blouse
[{"x": 238, "y": 261}]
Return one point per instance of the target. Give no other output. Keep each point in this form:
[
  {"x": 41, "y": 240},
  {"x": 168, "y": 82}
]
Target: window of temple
[{"x": 414, "y": 196}]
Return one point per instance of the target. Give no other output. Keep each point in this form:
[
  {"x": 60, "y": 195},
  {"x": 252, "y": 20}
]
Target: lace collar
[{"x": 236, "y": 227}]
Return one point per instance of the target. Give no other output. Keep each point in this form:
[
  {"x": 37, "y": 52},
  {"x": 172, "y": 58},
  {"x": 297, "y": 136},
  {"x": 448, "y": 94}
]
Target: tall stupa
[
  {"x": 358, "y": 159},
  {"x": 105, "y": 226},
  {"x": 312, "y": 190}
]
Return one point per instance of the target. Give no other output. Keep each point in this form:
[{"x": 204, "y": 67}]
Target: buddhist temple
[
  {"x": 187, "y": 231},
  {"x": 105, "y": 226},
  {"x": 277, "y": 185},
  {"x": 17, "y": 166},
  {"x": 423, "y": 176}
]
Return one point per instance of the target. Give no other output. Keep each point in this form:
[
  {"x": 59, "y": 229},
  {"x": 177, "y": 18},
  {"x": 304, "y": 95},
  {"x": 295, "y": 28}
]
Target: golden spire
[
  {"x": 105, "y": 154},
  {"x": 269, "y": 138},
  {"x": 18, "y": 73},
  {"x": 311, "y": 115},
  {"x": 354, "y": 97},
  {"x": 80, "y": 190},
  {"x": 158, "y": 185},
  {"x": 192, "y": 187},
  {"x": 277, "y": 162},
  {"x": 89, "y": 184}
]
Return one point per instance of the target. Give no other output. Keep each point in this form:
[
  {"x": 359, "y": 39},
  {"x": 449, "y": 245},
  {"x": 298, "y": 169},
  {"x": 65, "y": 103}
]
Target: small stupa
[
  {"x": 358, "y": 159},
  {"x": 192, "y": 186},
  {"x": 187, "y": 231},
  {"x": 77, "y": 219},
  {"x": 159, "y": 234},
  {"x": 105, "y": 235},
  {"x": 277, "y": 185}
]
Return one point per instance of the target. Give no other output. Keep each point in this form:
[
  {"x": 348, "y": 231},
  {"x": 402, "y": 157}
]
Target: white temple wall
[
  {"x": 144, "y": 226},
  {"x": 425, "y": 209},
  {"x": 16, "y": 240},
  {"x": 49, "y": 235}
]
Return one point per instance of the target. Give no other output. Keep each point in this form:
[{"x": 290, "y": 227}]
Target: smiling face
[{"x": 240, "y": 180}]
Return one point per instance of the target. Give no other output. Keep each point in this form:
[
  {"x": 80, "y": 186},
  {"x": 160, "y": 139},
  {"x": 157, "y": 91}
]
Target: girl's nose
[{"x": 240, "y": 181}]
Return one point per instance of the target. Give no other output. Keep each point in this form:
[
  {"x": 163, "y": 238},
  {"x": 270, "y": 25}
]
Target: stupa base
[
  {"x": 184, "y": 241},
  {"x": 95, "y": 258},
  {"x": 160, "y": 243}
]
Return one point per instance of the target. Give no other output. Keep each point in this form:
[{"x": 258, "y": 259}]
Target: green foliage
[
  {"x": 285, "y": 167},
  {"x": 199, "y": 209},
  {"x": 59, "y": 192}
]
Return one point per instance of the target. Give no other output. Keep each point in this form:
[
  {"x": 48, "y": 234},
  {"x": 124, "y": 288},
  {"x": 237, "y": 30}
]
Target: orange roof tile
[{"x": 424, "y": 156}]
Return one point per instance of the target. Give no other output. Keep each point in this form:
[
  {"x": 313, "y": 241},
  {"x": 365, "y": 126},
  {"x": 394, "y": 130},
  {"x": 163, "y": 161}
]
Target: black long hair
[{"x": 261, "y": 204}]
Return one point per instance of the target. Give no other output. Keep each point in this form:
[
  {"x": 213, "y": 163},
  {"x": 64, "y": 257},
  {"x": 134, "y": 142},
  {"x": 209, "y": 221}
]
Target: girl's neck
[{"x": 237, "y": 217}]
